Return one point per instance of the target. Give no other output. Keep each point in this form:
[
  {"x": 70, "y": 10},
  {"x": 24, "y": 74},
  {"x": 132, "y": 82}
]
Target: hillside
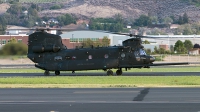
[
  {"x": 108, "y": 8},
  {"x": 3, "y": 8},
  {"x": 128, "y": 8}
]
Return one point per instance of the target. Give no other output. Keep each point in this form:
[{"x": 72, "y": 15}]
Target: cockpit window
[{"x": 142, "y": 52}]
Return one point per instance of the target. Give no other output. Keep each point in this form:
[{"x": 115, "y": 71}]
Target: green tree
[
  {"x": 119, "y": 18},
  {"x": 87, "y": 43},
  {"x": 15, "y": 9},
  {"x": 143, "y": 20},
  {"x": 154, "y": 19},
  {"x": 148, "y": 51},
  {"x": 156, "y": 49},
  {"x": 2, "y": 25},
  {"x": 180, "y": 20},
  {"x": 188, "y": 44},
  {"x": 146, "y": 42},
  {"x": 179, "y": 47},
  {"x": 56, "y": 6},
  {"x": 13, "y": 40},
  {"x": 15, "y": 15},
  {"x": 161, "y": 51},
  {"x": 185, "y": 18},
  {"x": 168, "y": 20},
  {"x": 66, "y": 19},
  {"x": 187, "y": 30},
  {"x": 105, "y": 41}
]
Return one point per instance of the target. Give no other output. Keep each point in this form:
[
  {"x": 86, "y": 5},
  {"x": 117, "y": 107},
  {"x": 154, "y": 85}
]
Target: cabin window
[
  {"x": 58, "y": 58},
  {"x": 106, "y": 56},
  {"x": 90, "y": 57},
  {"x": 123, "y": 55},
  {"x": 73, "y": 57}
]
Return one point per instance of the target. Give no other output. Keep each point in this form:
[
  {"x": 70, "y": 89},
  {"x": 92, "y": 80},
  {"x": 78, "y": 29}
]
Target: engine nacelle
[{"x": 41, "y": 49}]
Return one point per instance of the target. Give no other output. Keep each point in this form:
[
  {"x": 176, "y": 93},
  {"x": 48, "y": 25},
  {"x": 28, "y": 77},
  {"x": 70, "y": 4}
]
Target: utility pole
[{"x": 73, "y": 39}]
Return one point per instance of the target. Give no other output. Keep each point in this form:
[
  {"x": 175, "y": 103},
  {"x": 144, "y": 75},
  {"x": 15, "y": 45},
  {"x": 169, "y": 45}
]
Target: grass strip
[{"x": 100, "y": 81}]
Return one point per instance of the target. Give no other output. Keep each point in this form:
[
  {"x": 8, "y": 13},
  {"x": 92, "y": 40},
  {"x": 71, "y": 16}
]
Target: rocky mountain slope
[
  {"x": 128, "y": 8},
  {"x": 108, "y": 8},
  {"x": 4, "y": 8}
]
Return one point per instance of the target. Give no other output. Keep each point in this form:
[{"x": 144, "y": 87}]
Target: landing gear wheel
[
  {"x": 109, "y": 72},
  {"x": 46, "y": 73},
  {"x": 57, "y": 72},
  {"x": 119, "y": 72},
  {"x": 73, "y": 72}
]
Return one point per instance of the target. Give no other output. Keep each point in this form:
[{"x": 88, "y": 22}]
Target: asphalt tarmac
[
  {"x": 104, "y": 74},
  {"x": 100, "y": 100}
]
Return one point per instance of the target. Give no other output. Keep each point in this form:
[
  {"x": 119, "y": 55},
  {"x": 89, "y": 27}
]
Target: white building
[
  {"x": 16, "y": 30},
  {"x": 115, "y": 39}
]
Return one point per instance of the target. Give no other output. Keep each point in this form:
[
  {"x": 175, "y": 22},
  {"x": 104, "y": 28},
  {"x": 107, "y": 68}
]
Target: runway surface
[
  {"x": 104, "y": 74},
  {"x": 100, "y": 100}
]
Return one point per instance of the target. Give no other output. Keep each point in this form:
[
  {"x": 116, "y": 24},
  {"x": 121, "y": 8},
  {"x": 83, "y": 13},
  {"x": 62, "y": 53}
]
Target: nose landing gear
[{"x": 46, "y": 73}]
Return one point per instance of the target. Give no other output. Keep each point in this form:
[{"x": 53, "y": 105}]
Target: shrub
[{"x": 14, "y": 49}]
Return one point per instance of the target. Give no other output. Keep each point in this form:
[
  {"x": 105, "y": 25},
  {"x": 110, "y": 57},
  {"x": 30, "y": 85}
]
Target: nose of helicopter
[{"x": 152, "y": 59}]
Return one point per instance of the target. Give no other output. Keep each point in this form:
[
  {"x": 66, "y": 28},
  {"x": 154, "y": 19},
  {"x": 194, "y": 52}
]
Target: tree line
[
  {"x": 179, "y": 48},
  {"x": 108, "y": 24},
  {"x": 100, "y": 43},
  {"x": 146, "y": 20}
]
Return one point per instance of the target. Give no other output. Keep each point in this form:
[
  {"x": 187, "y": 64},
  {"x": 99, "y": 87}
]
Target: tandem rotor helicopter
[{"x": 49, "y": 54}]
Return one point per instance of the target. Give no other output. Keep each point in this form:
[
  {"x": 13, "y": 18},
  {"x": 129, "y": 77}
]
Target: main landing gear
[
  {"x": 118, "y": 72},
  {"x": 109, "y": 72},
  {"x": 47, "y": 73},
  {"x": 57, "y": 72}
]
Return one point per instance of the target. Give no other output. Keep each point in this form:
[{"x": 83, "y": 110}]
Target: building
[
  {"x": 20, "y": 38},
  {"x": 75, "y": 38},
  {"x": 164, "y": 46},
  {"x": 194, "y": 51},
  {"x": 16, "y": 30},
  {"x": 174, "y": 26}
]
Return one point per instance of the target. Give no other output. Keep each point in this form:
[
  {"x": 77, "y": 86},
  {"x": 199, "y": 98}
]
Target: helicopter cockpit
[{"x": 142, "y": 52}]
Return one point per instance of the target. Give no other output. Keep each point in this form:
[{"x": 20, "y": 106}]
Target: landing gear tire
[
  {"x": 109, "y": 72},
  {"x": 46, "y": 73},
  {"x": 73, "y": 72},
  {"x": 119, "y": 72},
  {"x": 57, "y": 72}
]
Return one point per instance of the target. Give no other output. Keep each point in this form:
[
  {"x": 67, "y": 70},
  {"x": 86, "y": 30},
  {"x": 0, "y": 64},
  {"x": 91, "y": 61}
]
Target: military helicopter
[{"x": 49, "y": 54}]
